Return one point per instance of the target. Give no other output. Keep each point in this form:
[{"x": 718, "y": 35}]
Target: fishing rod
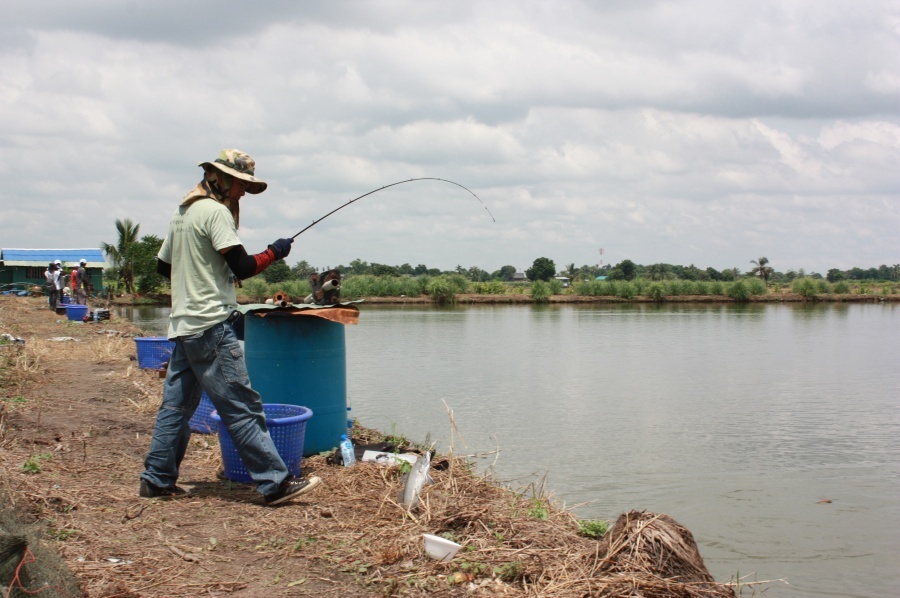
[{"x": 426, "y": 178}]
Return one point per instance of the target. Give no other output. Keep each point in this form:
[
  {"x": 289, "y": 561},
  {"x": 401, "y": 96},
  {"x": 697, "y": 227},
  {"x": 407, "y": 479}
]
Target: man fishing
[{"x": 203, "y": 258}]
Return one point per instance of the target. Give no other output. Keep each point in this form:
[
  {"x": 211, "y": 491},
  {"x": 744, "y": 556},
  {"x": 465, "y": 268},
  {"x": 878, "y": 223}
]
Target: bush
[
  {"x": 368, "y": 285},
  {"x": 256, "y": 288},
  {"x": 297, "y": 290},
  {"x": 756, "y": 287},
  {"x": 491, "y": 287},
  {"x": 458, "y": 282},
  {"x": 841, "y": 287},
  {"x": 593, "y": 288},
  {"x": 625, "y": 290},
  {"x": 656, "y": 292},
  {"x": 716, "y": 288},
  {"x": 540, "y": 291},
  {"x": 738, "y": 291},
  {"x": 804, "y": 287},
  {"x": 641, "y": 285},
  {"x": 556, "y": 287},
  {"x": 440, "y": 289},
  {"x": 354, "y": 287},
  {"x": 150, "y": 283}
]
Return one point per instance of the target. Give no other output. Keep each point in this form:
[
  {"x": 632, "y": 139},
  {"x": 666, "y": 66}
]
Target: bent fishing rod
[{"x": 426, "y": 178}]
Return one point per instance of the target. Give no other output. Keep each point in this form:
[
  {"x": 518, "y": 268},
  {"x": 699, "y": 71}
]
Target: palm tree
[
  {"x": 571, "y": 272},
  {"x": 120, "y": 254},
  {"x": 761, "y": 269}
]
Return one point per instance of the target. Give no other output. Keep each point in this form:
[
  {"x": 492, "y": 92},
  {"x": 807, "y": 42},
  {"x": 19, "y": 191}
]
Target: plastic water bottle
[
  {"x": 349, "y": 423},
  {"x": 347, "y": 453}
]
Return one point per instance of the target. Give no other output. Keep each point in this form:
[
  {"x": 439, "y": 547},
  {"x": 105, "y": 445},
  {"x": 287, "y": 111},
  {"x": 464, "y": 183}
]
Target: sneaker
[
  {"x": 148, "y": 490},
  {"x": 292, "y": 487}
]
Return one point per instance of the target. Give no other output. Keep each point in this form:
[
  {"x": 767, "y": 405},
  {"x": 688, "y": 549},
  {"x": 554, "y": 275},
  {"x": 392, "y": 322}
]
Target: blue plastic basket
[
  {"x": 201, "y": 422},
  {"x": 152, "y": 351},
  {"x": 287, "y": 425},
  {"x": 76, "y": 313},
  {"x": 64, "y": 300}
]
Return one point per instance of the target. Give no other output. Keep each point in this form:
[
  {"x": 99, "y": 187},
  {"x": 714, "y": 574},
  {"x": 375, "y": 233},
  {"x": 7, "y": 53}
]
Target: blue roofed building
[{"x": 26, "y": 266}]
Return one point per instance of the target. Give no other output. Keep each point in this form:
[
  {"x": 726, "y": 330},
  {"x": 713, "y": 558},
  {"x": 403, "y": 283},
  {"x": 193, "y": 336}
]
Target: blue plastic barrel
[
  {"x": 301, "y": 360},
  {"x": 76, "y": 313}
]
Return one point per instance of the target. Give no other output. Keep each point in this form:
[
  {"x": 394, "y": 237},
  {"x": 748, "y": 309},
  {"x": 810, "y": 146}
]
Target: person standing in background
[
  {"x": 82, "y": 283},
  {"x": 52, "y": 275},
  {"x": 73, "y": 282},
  {"x": 60, "y": 281}
]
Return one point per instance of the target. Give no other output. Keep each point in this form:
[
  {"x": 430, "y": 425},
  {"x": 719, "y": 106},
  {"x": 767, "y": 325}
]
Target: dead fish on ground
[{"x": 416, "y": 479}]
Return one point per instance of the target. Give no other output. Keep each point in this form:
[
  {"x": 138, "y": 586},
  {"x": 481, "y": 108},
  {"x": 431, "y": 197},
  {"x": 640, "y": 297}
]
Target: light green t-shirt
[{"x": 203, "y": 292}]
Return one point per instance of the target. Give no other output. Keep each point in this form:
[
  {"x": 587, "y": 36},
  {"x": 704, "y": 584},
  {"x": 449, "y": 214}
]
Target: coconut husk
[{"x": 650, "y": 554}]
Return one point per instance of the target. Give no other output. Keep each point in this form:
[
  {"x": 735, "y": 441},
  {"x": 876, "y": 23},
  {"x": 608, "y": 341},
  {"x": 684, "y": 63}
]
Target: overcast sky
[{"x": 696, "y": 132}]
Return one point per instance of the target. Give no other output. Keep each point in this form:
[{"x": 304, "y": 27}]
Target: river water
[{"x": 772, "y": 432}]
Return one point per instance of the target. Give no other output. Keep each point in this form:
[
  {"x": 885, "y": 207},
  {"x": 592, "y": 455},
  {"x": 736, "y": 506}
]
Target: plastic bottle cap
[{"x": 343, "y": 437}]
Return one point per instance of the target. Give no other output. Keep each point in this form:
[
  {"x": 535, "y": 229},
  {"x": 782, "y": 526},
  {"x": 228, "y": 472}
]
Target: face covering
[
  {"x": 215, "y": 185},
  {"x": 233, "y": 205}
]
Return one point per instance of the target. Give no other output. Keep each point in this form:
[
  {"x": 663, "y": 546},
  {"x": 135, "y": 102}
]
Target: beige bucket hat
[{"x": 240, "y": 166}]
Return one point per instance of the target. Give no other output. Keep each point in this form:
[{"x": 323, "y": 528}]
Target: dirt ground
[{"x": 76, "y": 414}]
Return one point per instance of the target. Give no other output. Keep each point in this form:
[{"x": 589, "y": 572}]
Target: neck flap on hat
[{"x": 206, "y": 190}]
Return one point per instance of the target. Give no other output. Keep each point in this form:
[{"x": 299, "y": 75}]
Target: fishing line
[{"x": 426, "y": 178}]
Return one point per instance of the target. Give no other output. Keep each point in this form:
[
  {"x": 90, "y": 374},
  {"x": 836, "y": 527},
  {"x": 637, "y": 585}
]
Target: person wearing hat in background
[
  {"x": 82, "y": 283},
  {"x": 52, "y": 276},
  {"x": 60, "y": 281},
  {"x": 203, "y": 258}
]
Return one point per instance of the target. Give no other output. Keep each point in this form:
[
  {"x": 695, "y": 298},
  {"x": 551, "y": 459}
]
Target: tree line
[{"x": 133, "y": 268}]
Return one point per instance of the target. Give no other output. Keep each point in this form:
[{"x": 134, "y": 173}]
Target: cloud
[{"x": 680, "y": 133}]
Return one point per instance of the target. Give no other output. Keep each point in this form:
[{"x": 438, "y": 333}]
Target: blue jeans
[{"x": 212, "y": 360}]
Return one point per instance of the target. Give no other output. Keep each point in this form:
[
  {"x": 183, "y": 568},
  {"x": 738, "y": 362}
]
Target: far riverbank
[{"x": 471, "y": 298}]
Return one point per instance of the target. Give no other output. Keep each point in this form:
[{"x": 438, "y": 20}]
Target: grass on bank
[{"x": 446, "y": 289}]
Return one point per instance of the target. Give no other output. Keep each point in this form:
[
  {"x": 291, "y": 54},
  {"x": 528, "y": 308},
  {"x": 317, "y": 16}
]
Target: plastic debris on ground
[
  {"x": 383, "y": 458},
  {"x": 8, "y": 338}
]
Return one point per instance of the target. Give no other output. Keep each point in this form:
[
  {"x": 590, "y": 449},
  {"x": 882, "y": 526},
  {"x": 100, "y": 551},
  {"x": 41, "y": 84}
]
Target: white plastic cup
[{"x": 439, "y": 548}]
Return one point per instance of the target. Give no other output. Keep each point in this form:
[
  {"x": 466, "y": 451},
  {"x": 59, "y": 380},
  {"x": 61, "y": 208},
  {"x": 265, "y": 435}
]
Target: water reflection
[{"x": 154, "y": 320}]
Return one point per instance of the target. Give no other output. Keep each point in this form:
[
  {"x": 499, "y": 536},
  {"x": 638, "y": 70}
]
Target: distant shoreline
[{"x": 473, "y": 299}]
